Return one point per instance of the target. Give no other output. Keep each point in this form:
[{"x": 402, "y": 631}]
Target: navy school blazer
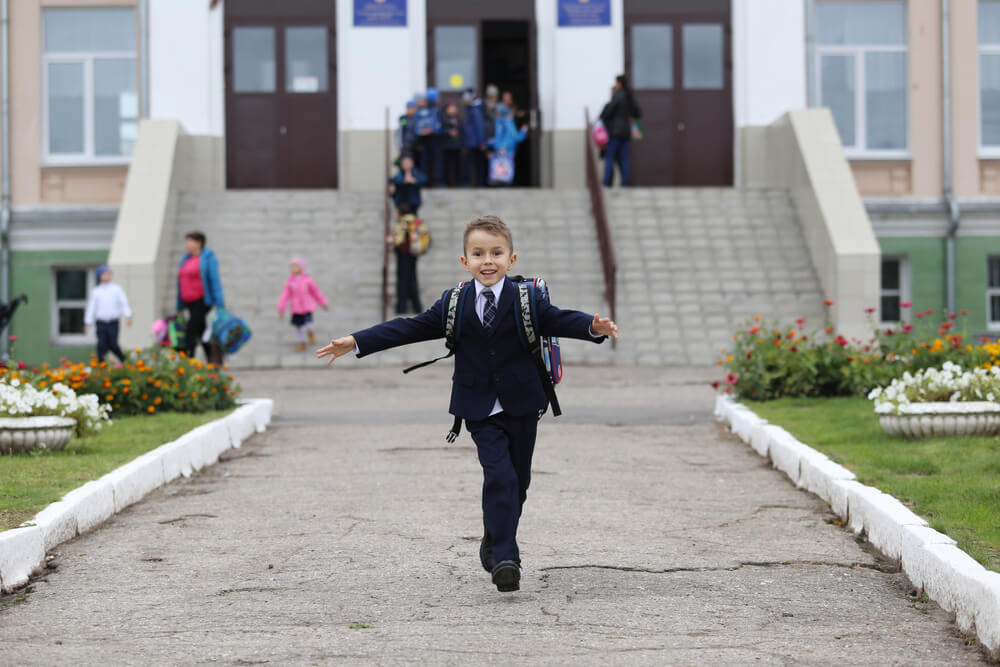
[{"x": 488, "y": 364}]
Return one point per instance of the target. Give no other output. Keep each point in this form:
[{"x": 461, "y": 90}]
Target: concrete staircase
[{"x": 693, "y": 263}]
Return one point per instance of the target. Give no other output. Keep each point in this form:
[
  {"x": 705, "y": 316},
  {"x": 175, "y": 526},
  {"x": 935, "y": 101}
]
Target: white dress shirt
[
  {"x": 497, "y": 289},
  {"x": 107, "y": 303}
]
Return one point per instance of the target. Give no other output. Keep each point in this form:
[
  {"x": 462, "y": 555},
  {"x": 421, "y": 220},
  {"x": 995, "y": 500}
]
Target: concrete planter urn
[
  {"x": 20, "y": 435},
  {"x": 941, "y": 420}
]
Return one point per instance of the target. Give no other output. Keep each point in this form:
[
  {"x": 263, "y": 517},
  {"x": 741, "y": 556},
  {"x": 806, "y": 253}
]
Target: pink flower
[
  {"x": 907, "y": 328},
  {"x": 905, "y": 304},
  {"x": 919, "y": 315},
  {"x": 953, "y": 316},
  {"x": 12, "y": 338},
  {"x": 21, "y": 365},
  {"x": 890, "y": 332},
  {"x": 869, "y": 311},
  {"x": 732, "y": 378}
]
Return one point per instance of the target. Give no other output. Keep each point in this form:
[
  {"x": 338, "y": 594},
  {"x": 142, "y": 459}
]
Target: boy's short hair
[
  {"x": 196, "y": 236},
  {"x": 491, "y": 224}
]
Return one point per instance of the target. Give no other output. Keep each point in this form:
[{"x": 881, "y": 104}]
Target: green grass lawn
[
  {"x": 954, "y": 483},
  {"x": 29, "y": 482}
]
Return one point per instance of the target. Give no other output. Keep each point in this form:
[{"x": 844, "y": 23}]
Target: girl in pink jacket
[{"x": 301, "y": 295}]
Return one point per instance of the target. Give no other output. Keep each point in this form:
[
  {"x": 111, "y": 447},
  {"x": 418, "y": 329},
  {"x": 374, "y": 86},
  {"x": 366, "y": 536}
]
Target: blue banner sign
[
  {"x": 584, "y": 13},
  {"x": 379, "y": 13}
]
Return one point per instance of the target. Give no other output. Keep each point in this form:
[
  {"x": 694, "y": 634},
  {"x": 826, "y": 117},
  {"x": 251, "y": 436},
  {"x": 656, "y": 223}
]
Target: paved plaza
[{"x": 349, "y": 532}]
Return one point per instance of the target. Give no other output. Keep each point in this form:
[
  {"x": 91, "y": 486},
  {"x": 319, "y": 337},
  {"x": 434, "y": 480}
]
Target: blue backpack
[
  {"x": 229, "y": 331},
  {"x": 544, "y": 350}
]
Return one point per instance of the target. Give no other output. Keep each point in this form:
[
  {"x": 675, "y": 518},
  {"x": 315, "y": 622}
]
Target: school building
[{"x": 294, "y": 94}]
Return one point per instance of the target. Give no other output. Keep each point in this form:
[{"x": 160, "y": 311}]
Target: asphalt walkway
[{"x": 349, "y": 533}]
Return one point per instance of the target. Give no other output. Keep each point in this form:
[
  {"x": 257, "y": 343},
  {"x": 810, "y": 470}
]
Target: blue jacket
[
  {"x": 209, "y": 279},
  {"x": 489, "y": 364},
  {"x": 475, "y": 125},
  {"x": 507, "y": 136},
  {"x": 408, "y": 193}
]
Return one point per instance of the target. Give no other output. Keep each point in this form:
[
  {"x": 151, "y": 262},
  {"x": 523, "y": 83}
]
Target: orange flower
[
  {"x": 756, "y": 318},
  {"x": 157, "y": 400},
  {"x": 151, "y": 409},
  {"x": 180, "y": 370},
  {"x": 109, "y": 398}
]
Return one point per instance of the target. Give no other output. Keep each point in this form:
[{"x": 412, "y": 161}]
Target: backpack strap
[
  {"x": 451, "y": 322},
  {"x": 527, "y": 330}
]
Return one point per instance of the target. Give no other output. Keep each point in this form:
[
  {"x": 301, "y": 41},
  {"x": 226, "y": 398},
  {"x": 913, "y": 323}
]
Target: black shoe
[
  {"x": 507, "y": 576},
  {"x": 486, "y": 553}
]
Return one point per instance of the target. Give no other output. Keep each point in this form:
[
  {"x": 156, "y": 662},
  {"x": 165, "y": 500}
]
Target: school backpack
[
  {"x": 544, "y": 350},
  {"x": 229, "y": 331},
  {"x": 420, "y": 237},
  {"x": 176, "y": 332}
]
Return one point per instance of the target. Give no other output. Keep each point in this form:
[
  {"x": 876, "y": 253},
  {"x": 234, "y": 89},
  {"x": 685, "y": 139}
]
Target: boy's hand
[
  {"x": 604, "y": 326},
  {"x": 338, "y": 347}
]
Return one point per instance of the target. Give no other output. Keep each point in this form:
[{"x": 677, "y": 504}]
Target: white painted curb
[
  {"x": 948, "y": 575},
  {"x": 22, "y": 550}
]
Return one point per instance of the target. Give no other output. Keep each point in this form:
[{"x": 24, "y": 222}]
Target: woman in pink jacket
[{"x": 301, "y": 295}]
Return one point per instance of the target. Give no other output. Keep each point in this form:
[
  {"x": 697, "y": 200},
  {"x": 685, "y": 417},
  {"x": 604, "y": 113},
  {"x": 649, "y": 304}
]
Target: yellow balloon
[{"x": 456, "y": 80}]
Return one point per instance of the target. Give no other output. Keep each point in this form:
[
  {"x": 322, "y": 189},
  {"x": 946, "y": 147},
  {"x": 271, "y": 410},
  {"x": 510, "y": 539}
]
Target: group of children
[
  {"x": 455, "y": 147},
  {"x": 108, "y": 305}
]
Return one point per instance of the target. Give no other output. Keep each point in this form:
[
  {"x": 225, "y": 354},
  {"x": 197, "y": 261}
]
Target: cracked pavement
[{"x": 349, "y": 533}]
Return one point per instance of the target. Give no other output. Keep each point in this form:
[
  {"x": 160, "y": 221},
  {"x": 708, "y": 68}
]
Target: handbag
[
  {"x": 599, "y": 134},
  {"x": 501, "y": 169}
]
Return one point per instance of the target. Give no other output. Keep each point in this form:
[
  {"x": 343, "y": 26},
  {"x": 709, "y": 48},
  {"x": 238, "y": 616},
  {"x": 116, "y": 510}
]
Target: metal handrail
[
  {"x": 600, "y": 213},
  {"x": 386, "y": 219}
]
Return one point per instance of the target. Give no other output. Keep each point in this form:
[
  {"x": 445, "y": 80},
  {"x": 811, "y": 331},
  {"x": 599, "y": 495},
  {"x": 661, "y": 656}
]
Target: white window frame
[
  {"x": 992, "y": 49},
  {"x": 859, "y": 149},
  {"x": 85, "y": 339},
  {"x": 87, "y": 59},
  {"x": 992, "y": 325},
  {"x": 904, "y": 293}
]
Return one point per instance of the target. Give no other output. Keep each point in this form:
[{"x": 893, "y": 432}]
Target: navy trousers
[
  {"x": 505, "y": 444},
  {"x": 107, "y": 339}
]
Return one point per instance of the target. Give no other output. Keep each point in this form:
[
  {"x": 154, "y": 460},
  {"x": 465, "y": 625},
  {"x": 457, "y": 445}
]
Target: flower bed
[
  {"x": 150, "y": 381},
  {"x": 768, "y": 361}
]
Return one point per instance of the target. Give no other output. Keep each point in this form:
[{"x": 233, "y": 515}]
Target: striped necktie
[{"x": 490, "y": 311}]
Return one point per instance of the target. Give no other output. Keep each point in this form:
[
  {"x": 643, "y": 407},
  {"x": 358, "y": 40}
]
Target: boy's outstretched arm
[
  {"x": 555, "y": 321},
  {"x": 338, "y": 347}
]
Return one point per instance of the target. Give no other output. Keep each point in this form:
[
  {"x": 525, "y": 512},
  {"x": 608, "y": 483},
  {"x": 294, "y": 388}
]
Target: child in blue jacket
[
  {"x": 505, "y": 139},
  {"x": 496, "y": 387},
  {"x": 474, "y": 168}
]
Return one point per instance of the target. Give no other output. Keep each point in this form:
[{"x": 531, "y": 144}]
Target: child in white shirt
[{"x": 107, "y": 305}]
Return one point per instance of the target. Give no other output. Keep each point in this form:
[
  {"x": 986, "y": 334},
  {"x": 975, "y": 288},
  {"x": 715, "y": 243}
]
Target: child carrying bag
[{"x": 544, "y": 350}]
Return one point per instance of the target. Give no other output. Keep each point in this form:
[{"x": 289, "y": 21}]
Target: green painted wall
[
  {"x": 31, "y": 274},
  {"x": 927, "y": 271}
]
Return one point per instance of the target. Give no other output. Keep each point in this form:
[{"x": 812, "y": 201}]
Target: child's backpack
[
  {"x": 229, "y": 331},
  {"x": 176, "y": 332},
  {"x": 420, "y": 237},
  {"x": 544, "y": 350}
]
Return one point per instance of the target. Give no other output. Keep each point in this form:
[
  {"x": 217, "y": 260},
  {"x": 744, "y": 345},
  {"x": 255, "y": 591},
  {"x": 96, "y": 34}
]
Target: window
[
  {"x": 89, "y": 79},
  {"x": 71, "y": 286},
  {"x": 861, "y": 73},
  {"x": 993, "y": 292},
  {"x": 895, "y": 290},
  {"x": 989, "y": 76},
  {"x": 455, "y": 57},
  {"x": 653, "y": 56}
]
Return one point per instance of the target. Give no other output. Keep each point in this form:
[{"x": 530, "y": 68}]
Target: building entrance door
[
  {"x": 471, "y": 46},
  {"x": 680, "y": 69},
  {"x": 281, "y": 104}
]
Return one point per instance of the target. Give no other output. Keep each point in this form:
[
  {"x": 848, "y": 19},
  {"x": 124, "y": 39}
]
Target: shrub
[
  {"x": 767, "y": 361},
  {"x": 150, "y": 381}
]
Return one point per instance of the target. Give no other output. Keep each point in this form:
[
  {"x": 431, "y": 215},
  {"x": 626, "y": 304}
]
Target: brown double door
[
  {"x": 281, "y": 104},
  {"x": 679, "y": 65}
]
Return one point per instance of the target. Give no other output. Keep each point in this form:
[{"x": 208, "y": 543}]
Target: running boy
[
  {"x": 496, "y": 387},
  {"x": 106, "y": 307}
]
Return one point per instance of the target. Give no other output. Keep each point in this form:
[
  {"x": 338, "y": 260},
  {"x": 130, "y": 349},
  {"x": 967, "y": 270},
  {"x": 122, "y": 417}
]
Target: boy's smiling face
[{"x": 488, "y": 257}]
